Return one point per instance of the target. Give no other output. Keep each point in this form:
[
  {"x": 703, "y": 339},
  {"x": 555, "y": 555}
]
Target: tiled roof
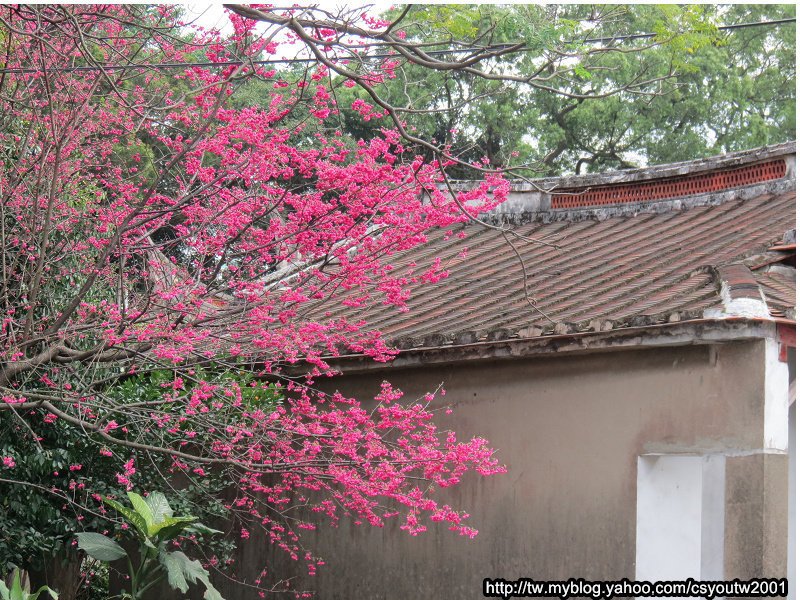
[
  {"x": 779, "y": 290},
  {"x": 607, "y": 272}
]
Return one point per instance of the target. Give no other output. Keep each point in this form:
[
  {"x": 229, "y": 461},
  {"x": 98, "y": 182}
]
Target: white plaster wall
[
  {"x": 669, "y": 508},
  {"x": 776, "y": 399},
  {"x": 712, "y": 563},
  {"x": 680, "y": 517}
]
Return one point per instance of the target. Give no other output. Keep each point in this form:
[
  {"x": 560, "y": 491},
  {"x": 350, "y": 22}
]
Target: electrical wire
[
  {"x": 279, "y": 61},
  {"x": 639, "y": 36}
]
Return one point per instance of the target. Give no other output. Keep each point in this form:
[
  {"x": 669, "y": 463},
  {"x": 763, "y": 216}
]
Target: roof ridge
[
  {"x": 521, "y": 213},
  {"x": 661, "y": 188}
]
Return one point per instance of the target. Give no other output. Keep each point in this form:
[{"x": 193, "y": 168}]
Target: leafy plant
[
  {"x": 18, "y": 591},
  {"x": 155, "y": 526},
  {"x": 36, "y": 529}
]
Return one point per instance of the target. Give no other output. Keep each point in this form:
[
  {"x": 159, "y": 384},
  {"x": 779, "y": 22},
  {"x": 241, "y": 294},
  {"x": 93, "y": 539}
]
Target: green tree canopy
[{"x": 710, "y": 90}]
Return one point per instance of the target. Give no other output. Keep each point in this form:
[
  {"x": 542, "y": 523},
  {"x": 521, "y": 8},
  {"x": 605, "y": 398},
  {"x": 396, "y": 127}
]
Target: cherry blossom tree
[{"x": 150, "y": 226}]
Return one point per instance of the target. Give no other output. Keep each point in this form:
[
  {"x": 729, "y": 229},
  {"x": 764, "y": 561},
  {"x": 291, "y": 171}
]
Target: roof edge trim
[{"x": 684, "y": 333}]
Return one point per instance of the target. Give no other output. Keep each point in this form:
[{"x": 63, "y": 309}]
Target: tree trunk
[{"x": 61, "y": 573}]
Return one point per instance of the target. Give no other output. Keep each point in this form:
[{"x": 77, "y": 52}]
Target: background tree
[
  {"x": 720, "y": 91},
  {"x": 457, "y": 81},
  {"x": 733, "y": 94}
]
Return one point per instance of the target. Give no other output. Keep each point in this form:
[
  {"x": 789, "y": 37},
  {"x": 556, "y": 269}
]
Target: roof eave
[{"x": 684, "y": 333}]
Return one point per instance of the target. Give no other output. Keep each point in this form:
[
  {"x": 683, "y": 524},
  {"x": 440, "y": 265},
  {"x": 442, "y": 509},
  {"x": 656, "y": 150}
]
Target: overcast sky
[{"x": 208, "y": 16}]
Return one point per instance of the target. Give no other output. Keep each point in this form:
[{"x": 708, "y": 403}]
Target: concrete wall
[{"x": 570, "y": 430}]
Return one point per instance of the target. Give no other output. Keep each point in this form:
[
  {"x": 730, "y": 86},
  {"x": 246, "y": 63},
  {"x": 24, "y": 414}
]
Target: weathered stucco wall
[{"x": 569, "y": 429}]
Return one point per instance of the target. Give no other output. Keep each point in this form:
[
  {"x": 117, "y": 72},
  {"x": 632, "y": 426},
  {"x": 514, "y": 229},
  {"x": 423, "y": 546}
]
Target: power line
[
  {"x": 639, "y": 36},
  {"x": 279, "y": 61}
]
